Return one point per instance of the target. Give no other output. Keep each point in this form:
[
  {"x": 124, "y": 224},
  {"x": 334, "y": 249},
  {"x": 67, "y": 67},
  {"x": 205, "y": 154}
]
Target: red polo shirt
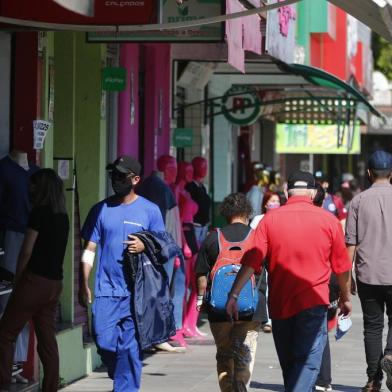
[{"x": 302, "y": 243}]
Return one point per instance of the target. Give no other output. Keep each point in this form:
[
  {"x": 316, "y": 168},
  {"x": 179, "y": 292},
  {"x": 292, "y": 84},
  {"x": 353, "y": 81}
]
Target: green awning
[{"x": 321, "y": 78}]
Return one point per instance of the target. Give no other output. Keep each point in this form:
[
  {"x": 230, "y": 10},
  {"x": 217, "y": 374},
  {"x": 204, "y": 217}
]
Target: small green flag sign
[
  {"x": 114, "y": 79},
  {"x": 183, "y": 137}
]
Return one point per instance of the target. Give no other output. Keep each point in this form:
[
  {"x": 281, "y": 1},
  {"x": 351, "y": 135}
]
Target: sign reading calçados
[{"x": 172, "y": 12}]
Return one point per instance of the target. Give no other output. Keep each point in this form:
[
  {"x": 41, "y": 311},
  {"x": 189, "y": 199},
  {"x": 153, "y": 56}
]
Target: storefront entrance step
[{"x": 30, "y": 387}]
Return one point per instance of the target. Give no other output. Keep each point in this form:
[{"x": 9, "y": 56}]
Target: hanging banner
[
  {"x": 104, "y": 12},
  {"x": 41, "y": 128},
  {"x": 317, "y": 139},
  {"x": 173, "y": 12},
  {"x": 281, "y": 30}
]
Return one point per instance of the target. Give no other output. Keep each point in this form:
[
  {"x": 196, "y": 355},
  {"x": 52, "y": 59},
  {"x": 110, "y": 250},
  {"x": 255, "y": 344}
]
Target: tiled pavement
[{"x": 195, "y": 370}]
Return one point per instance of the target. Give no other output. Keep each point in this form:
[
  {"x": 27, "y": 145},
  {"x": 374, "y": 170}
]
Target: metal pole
[{"x": 311, "y": 163}]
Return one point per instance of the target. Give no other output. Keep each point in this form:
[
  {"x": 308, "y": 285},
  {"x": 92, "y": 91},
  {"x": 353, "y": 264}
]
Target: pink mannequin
[
  {"x": 188, "y": 209},
  {"x": 168, "y": 166}
]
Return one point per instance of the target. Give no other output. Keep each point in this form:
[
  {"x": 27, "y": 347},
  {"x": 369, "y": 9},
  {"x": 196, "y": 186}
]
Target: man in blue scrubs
[{"x": 108, "y": 231}]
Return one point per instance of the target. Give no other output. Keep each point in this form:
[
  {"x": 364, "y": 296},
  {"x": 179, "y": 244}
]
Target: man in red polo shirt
[{"x": 303, "y": 244}]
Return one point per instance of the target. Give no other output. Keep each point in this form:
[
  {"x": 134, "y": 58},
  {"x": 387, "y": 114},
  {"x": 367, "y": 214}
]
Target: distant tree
[{"x": 382, "y": 53}]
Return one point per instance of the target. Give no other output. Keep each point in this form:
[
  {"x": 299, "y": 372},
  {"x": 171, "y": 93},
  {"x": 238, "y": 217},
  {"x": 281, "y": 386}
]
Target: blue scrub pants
[{"x": 115, "y": 336}]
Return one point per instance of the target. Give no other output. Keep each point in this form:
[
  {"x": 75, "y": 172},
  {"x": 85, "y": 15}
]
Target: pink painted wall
[
  {"x": 128, "y": 126},
  {"x": 157, "y": 103}
]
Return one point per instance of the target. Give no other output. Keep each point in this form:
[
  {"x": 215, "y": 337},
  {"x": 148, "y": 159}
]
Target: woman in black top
[
  {"x": 236, "y": 342},
  {"x": 38, "y": 278}
]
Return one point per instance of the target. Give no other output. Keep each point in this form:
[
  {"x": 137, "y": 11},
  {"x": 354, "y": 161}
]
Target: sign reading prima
[{"x": 241, "y": 105}]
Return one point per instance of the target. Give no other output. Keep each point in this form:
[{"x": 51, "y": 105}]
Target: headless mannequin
[
  {"x": 15, "y": 200},
  {"x": 167, "y": 166},
  {"x": 20, "y": 158},
  {"x": 199, "y": 194},
  {"x": 188, "y": 209}
]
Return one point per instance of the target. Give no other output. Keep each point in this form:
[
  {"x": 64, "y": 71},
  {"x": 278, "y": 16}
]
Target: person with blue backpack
[
  {"x": 303, "y": 244},
  {"x": 217, "y": 265}
]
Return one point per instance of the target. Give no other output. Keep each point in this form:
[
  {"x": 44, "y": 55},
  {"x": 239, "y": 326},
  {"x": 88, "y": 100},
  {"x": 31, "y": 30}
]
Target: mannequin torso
[{"x": 20, "y": 158}]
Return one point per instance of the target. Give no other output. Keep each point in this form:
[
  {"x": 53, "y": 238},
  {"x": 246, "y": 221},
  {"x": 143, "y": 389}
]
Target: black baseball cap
[
  {"x": 301, "y": 180},
  {"x": 380, "y": 160},
  {"x": 320, "y": 176},
  {"x": 126, "y": 164}
]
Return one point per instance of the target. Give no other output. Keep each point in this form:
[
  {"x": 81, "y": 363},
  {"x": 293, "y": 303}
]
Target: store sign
[
  {"x": 114, "y": 79},
  {"x": 241, "y": 105},
  {"x": 105, "y": 12},
  {"x": 173, "y": 12},
  {"x": 40, "y": 128},
  {"x": 183, "y": 137},
  {"x": 316, "y": 139},
  {"x": 281, "y": 30}
]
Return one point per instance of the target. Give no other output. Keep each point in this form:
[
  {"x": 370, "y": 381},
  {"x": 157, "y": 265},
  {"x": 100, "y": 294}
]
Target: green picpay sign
[{"x": 114, "y": 79}]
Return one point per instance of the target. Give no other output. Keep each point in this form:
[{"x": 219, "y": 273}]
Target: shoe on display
[
  {"x": 372, "y": 386},
  {"x": 178, "y": 339},
  {"x": 327, "y": 388},
  {"x": 167, "y": 348},
  {"x": 386, "y": 365},
  {"x": 19, "y": 379}
]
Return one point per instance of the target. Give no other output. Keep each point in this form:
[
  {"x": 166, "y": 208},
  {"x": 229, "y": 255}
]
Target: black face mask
[{"x": 121, "y": 187}]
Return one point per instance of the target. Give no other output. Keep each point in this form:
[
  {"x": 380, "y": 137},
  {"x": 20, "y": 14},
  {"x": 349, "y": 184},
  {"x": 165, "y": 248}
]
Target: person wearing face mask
[
  {"x": 111, "y": 228},
  {"x": 271, "y": 201}
]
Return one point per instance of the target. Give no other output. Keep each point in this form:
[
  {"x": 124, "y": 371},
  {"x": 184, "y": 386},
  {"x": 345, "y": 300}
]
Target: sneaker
[
  {"x": 20, "y": 379},
  {"x": 328, "y": 388},
  {"x": 167, "y": 348},
  {"x": 386, "y": 365},
  {"x": 372, "y": 386}
]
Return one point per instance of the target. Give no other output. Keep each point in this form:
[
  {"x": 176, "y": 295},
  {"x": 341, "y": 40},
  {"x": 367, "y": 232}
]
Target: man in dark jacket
[{"x": 109, "y": 229}]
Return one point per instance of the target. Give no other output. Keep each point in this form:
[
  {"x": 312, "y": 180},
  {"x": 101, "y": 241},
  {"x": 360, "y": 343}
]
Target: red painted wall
[
  {"x": 335, "y": 50},
  {"x": 128, "y": 131},
  {"x": 330, "y": 53},
  {"x": 316, "y": 50},
  {"x": 25, "y": 98},
  {"x": 157, "y": 104}
]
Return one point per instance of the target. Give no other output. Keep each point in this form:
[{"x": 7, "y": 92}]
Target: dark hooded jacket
[{"x": 153, "y": 308}]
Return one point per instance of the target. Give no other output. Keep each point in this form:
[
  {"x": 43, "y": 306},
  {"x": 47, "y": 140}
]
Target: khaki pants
[{"x": 236, "y": 345}]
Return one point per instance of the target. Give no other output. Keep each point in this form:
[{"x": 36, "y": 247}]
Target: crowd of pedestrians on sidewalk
[{"x": 284, "y": 268}]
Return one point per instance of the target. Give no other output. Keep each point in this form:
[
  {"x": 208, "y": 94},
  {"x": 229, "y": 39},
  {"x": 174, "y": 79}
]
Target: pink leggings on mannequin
[{"x": 191, "y": 314}]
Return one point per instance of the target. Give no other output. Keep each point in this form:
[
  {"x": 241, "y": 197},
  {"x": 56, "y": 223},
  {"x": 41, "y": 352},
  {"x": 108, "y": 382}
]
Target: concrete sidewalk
[{"x": 195, "y": 370}]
